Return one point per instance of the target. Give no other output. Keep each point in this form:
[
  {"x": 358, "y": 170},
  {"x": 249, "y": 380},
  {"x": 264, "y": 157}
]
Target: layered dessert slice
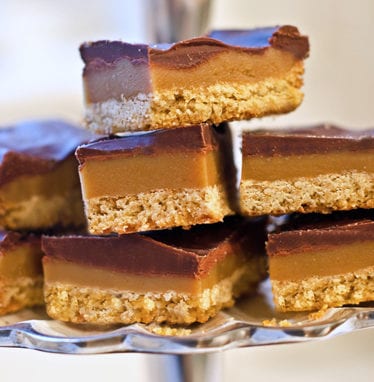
[
  {"x": 323, "y": 264},
  {"x": 39, "y": 182},
  {"x": 155, "y": 180},
  {"x": 177, "y": 276},
  {"x": 21, "y": 278},
  {"x": 227, "y": 75},
  {"x": 319, "y": 169}
]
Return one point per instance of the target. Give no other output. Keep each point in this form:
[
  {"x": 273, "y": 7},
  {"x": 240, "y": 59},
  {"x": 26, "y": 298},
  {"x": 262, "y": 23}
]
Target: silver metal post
[
  {"x": 175, "y": 20},
  {"x": 187, "y": 368}
]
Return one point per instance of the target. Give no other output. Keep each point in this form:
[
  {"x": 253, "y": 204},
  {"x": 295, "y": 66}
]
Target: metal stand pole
[
  {"x": 174, "y": 20},
  {"x": 187, "y": 368}
]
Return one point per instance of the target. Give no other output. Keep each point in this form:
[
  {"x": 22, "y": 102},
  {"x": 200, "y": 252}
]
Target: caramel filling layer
[
  {"x": 228, "y": 67},
  {"x": 23, "y": 261},
  {"x": 118, "y": 176},
  {"x": 59, "y": 271},
  {"x": 329, "y": 262},
  {"x": 59, "y": 181},
  {"x": 301, "y": 166},
  {"x": 125, "y": 79}
]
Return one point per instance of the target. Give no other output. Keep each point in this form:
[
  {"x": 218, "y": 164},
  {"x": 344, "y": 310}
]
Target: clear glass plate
[{"x": 251, "y": 322}]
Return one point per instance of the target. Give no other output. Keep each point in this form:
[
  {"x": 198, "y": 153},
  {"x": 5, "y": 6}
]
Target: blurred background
[{"x": 40, "y": 76}]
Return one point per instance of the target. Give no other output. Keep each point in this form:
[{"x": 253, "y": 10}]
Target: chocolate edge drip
[{"x": 289, "y": 39}]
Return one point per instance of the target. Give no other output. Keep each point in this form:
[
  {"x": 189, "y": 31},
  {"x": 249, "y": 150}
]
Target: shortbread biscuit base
[
  {"x": 19, "y": 293},
  {"x": 99, "y": 306},
  {"x": 323, "y": 194},
  {"x": 156, "y": 210},
  {"x": 321, "y": 292},
  {"x": 41, "y": 212},
  {"x": 188, "y": 106}
]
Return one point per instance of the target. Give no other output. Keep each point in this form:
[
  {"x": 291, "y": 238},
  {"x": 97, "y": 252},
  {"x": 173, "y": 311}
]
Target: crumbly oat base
[
  {"x": 321, "y": 292},
  {"x": 167, "y": 330},
  {"x": 156, "y": 210},
  {"x": 100, "y": 306},
  {"x": 323, "y": 194},
  {"x": 189, "y": 106},
  {"x": 20, "y": 293},
  {"x": 39, "y": 212},
  {"x": 112, "y": 116}
]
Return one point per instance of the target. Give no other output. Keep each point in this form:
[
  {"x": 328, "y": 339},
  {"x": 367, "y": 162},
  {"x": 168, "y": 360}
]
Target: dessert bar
[
  {"x": 21, "y": 278},
  {"x": 323, "y": 263},
  {"x": 155, "y": 180},
  {"x": 227, "y": 75},
  {"x": 39, "y": 183},
  {"x": 319, "y": 169},
  {"x": 176, "y": 276}
]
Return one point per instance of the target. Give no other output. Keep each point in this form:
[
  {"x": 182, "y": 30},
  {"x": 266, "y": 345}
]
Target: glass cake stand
[{"x": 251, "y": 322}]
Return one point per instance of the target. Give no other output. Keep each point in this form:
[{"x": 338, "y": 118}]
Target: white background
[{"x": 40, "y": 76}]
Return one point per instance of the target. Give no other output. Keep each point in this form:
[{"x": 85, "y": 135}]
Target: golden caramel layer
[
  {"x": 310, "y": 165},
  {"x": 98, "y": 84},
  {"x": 332, "y": 261},
  {"x": 58, "y": 271},
  {"x": 118, "y": 176},
  {"x": 248, "y": 69},
  {"x": 21, "y": 262}
]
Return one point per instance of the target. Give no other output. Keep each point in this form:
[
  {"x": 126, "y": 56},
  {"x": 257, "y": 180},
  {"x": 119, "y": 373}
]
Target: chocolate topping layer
[
  {"x": 286, "y": 38},
  {"x": 190, "y": 53},
  {"x": 132, "y": 253},
  {"x": 326, "y": 232},
  {"x": 319, "y": 139},
  {"x": 36, "y": 147},
  {"x": 160, "y": 253},
  {"x": 204, "y": 238},
  {"x": 110, "y": 51},
  {"x": 185, "y": 139}
]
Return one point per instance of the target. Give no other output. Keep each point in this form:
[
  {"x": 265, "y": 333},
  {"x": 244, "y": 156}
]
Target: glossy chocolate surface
[
  {"x": 189, "y": 253},
  {"x": 286, "y": 37},
  {"x": 192, "y": 52},
  {"x": 193, "y": 138},
  {"x": 307, "y": 233},
  {"x": 318, "y": 139},
  {"x": 110, "y": 51},
  {"x": 35, "y": 147}
]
